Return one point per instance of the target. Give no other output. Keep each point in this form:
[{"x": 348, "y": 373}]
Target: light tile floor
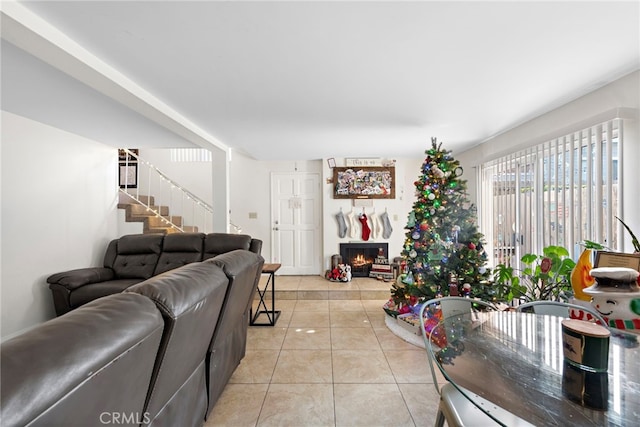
[{"x": 329, "y": 361}]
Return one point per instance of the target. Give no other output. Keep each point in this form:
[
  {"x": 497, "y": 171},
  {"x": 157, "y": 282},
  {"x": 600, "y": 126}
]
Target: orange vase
[{"x": 580, "y": 277}]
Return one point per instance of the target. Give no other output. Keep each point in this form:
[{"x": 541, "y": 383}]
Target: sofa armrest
[
  {"x": 74, "y": 279},
  {"x": 256, "y": 246}
]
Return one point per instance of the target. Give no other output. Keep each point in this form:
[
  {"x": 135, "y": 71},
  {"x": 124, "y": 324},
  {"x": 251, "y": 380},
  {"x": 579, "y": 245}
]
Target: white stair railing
[{"x": 140, "y": 180}]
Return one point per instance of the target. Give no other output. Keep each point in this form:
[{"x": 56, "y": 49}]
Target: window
[
  {"x": 190, "y": 155},
  {"x": 560, "y": 192}
]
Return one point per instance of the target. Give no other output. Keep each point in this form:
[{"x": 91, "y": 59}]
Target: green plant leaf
[
  {"x": 634, "y": 239},
  {"x": 588, "y": 244},
  {"x": 558, "y": 251}
]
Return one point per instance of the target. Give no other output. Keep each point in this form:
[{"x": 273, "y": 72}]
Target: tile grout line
[{"x": 329, "y": 295}]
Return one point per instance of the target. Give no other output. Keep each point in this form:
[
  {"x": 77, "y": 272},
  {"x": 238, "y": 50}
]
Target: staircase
[
  {"x": 154, "y": 219},
  {"x": 139, "y": 176}
]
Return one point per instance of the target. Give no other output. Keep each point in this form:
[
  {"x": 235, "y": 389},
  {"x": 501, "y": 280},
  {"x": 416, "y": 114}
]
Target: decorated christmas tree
[{"x": 443, "y": 251}]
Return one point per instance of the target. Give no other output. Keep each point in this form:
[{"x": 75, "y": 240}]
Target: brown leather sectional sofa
[
  {"x": 137, "y": 257},
  {"x": 159, "y": 353}
]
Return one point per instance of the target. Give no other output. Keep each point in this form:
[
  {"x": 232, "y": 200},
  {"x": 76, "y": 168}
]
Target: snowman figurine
[{"x": 616, "y": 296}]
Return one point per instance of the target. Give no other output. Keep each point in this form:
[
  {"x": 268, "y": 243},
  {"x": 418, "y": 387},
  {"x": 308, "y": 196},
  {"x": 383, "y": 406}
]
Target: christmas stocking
[
  {"x": 352, "y": 224},
  {"x": 386, "y": 224},
  {"x": 366, "y": 231},
  {"x": 342, "y": 225},
  {"x": 376, "y": 226}
]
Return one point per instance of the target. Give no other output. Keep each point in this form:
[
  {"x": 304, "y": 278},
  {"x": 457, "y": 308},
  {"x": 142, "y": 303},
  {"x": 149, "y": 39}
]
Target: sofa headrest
[
  {"x": 220, "y": 243},
  {"x": 52, "y": 372},
  {"x": 236, "y": 262},
  {"x": 178, "y": 290},
  {"x": 183, "y": 242},
  {"x": 135, "y": 244}
]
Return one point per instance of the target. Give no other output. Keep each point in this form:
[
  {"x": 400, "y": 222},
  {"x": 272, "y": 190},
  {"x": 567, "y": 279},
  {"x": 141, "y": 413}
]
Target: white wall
[
  {"x": 59, "y": 200},
  {"x": 601, "y": 105},
  {"x": 195, "y": 176}
]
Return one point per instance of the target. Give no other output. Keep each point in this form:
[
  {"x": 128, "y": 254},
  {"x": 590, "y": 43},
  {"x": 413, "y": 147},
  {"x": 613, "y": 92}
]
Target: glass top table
[{"x": 515, "y": 360}]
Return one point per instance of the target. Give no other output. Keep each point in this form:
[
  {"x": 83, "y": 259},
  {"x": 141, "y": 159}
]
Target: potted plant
[{"x": 544, "y": 277}]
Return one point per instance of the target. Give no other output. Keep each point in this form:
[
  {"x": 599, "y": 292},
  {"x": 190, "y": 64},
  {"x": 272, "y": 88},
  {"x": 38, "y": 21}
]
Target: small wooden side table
[{"x": 272, "y": 314}]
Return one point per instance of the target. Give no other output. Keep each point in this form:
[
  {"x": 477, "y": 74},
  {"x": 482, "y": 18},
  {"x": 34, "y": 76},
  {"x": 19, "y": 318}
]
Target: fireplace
[{"x": 360, "y": 256}]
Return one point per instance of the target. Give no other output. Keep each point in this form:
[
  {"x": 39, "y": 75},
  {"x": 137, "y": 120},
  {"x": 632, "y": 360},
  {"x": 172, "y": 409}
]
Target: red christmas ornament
[
  {"x": 472, "y": 246},
  {"x": 424, "y": 226}
]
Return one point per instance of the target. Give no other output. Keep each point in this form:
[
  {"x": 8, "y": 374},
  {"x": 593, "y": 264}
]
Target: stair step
[
  {"x": 169, "y": 230},
  {"x": 161, "y": 221},
  {"x": 126, "y": 198},
  {"x": 141, "y": 210}
]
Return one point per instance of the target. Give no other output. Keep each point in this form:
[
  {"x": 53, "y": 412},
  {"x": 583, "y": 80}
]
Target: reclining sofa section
[
  {"x": 158, "y": 354},
  {"x": 134, "y": 258},
  {"x": 190, "y": 299}
]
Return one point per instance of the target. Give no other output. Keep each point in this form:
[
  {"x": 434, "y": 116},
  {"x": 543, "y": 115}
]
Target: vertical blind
[{"x": 560, "y": 192}]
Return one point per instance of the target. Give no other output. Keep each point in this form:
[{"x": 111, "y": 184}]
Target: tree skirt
[{"x": 411, "y": 338}]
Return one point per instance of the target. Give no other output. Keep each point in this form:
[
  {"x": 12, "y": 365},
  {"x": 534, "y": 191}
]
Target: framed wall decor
[
  {"x": 128, "y": 175},
  {"x": 364, "y": 182},
  {"x": 615, "y": 259}
]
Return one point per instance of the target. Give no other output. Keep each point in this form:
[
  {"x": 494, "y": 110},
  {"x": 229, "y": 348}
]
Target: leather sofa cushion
[
  {"x": 137, "y": 256},
  {"x": 134, "y": 244},
  {"x": 220, "y": 243},
  {"x": 228, "y": 345},
  {"x": 179, "y": 249},
  {"x": 242, "y": 269},
  {"x": 190, "y": 299},
  {"x": 86, "y": 294},
  {"x": 69, "y": 370}
]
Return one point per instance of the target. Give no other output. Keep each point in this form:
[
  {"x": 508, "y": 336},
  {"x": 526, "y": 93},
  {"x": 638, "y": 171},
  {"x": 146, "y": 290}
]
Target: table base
[{"x": 272, "y": 314}]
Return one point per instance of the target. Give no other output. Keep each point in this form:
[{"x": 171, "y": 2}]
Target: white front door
[{"x": 295, "y": 222}]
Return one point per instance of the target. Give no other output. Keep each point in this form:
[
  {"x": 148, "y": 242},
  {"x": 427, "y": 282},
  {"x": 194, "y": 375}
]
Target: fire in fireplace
[{"x": 360, "y": 256}]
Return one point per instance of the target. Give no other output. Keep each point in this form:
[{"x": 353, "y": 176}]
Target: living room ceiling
[{"x": 309, "y": 80}]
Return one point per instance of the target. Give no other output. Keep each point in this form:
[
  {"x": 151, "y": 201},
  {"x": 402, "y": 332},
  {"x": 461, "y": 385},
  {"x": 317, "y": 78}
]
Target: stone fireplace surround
[{"x": 360, "y": 255}]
